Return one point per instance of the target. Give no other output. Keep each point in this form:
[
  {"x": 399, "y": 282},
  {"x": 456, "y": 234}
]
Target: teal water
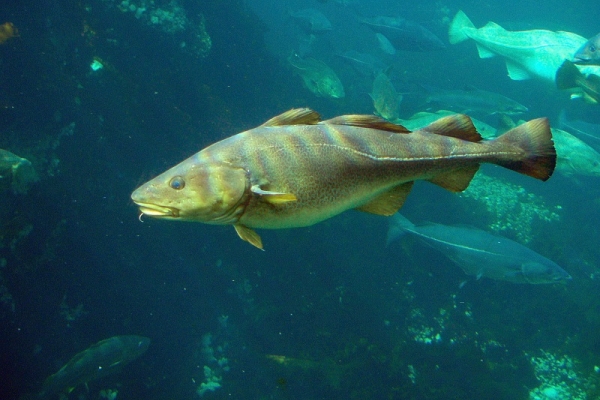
[{"x": 326, "y": 312}]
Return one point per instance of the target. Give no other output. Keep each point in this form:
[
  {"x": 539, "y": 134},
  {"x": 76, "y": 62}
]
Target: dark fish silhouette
[{"x": 404, "y": 34}]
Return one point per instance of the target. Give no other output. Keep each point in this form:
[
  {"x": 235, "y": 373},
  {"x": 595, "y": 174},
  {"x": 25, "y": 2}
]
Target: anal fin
[
  {"x": 456, "y": 180},
  {"x": 249, "y": 235},
  {"x": 388, "y": 203}
]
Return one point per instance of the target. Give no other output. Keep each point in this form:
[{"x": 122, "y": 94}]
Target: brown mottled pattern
[{"x": 332, "y": 168}]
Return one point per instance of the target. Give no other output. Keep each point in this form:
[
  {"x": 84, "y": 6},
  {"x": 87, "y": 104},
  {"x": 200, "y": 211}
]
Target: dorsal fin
[
  {"x": 366, "y": 121},
  {"x": 295, "y": 116},
  {"x": 458, "y": 126}
]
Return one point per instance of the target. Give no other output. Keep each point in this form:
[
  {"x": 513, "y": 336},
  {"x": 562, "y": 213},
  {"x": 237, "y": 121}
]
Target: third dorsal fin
[
  {"x": 295, "y": 116},
  {"x": 366, "y": 121},
  {"x": 458, "y": 126}
]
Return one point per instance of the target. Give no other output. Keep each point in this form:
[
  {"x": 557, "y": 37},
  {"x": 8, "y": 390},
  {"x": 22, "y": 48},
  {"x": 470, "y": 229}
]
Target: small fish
[
  {"x": 483, "y": 254},
  {"x": 99, "y": 360},
  {"x": 312, "y": 20},
  {"x": 404, "y": 34},
  {"x": 472, "y": 99},
  {"x": 318, "y": 77},
  {"x": 569, "y": 77},
  {"x": 589, "y": 53},
  {"x": 296, "y": 170},
  {"x": 535, "y": 53},
  {"x": 385, "y": 98}
]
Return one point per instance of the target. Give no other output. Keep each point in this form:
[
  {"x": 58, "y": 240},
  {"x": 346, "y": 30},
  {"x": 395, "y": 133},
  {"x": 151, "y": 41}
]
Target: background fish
[
  {"x": 311, "y": 20},
  {"x": 295, "y": 170},
  {"x": 318, "y": 77},
  {"x": 569, "y": 77},
  {"x": 405, "y": 34},
  {"x": 385, "y": 98},
  {"x": 589, "y": 53},
  {"x": 99, "y": 360},
  {"x": 482, "y": 254},
  {"x": 473, "y": 99},
  {"x": 534, "y": 53}
]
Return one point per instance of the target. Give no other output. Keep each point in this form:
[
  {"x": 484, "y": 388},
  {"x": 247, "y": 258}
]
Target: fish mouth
[{"x": 154, "y": 210}]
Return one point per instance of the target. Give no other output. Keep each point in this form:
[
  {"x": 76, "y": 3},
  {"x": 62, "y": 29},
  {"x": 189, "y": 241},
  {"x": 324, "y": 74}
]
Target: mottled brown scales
[{"x": 296, "y": 170}]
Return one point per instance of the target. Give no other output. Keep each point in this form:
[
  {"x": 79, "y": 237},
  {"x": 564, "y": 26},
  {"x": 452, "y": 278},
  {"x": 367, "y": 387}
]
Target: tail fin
[
  {"x": 399, "y": 225},
  {"x": 458, "y": 25},
  {"x": 535, "y": 139}
]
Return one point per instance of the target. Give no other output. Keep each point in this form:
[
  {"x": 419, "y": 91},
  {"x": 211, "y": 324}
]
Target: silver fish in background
[
  {"x": 482, "y": 254},
  {"x": 385, "y": 98},
  {"x": 573, "y": 156},
  {"x": 99, "y": 360},
  {"x": 534, "y": 53},
  {"x": 586, "y": 130},
  {"x": 404, "y": 34},
  {"x": 589, "y": 53},
  {"x": 318, "y": 77},
  {"x": 473, "y": 99}
]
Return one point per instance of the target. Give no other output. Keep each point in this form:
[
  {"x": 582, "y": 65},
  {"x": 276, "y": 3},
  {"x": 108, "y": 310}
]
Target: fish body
[
  {"x": 589, "y": 53},
  {"x": 312, "y": 20},
  {"x": 582, "y": 129},
  {"x": 385, "y": 98},
  {"x": 404, "y": 34},
  {"x": 534, "y": 53},
  {"x": 483, "y": 254},
  {"x": 318, "y": 77},
  {"x": 101, "y": 359},
  {"x": 574, "y": 156},
  {"x": 296, "y": 170},
  {"x": 477, "y": 100}
]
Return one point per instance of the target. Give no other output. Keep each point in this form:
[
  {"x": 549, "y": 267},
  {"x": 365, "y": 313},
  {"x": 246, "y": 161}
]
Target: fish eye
[
  {"x": 592, "y": 48},
  {"x": 177, "y": 183}
]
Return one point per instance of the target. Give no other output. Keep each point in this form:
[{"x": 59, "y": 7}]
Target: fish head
[
  {"x": 589, "y": 52},
  {"x": 193, "y": 190},
  {"x": 539, "y": 273}
]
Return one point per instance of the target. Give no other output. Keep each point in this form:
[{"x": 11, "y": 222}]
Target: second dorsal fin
[
  {"x": 457, "y": 126},
  {"x": 295, "y": 116},
  {"x": 366, "y": 121}
]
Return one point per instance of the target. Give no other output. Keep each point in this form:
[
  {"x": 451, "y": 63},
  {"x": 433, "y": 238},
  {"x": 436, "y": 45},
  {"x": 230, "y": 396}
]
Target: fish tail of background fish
[
  {"x": 534, "y": 139},
  {"x": 399, "y": 225},
  {"x": 458, "y": 26}
]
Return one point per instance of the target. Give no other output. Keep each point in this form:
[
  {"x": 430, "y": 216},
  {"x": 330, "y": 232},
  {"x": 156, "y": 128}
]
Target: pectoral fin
[
  {"x": 388, "y": 203},
  {"x": 273, "y": 197},
  {"x": 249, "y": 236}
]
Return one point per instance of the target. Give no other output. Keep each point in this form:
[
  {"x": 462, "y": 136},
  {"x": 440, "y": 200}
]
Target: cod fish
[
  {"x": 99, "y": 360},
  {"x": 534, "y": 53},
  {"x": 589, "y": 53},
  {"x": 472, "y": 99},
  {"x": 404, "y": 34},
  {"x": 574, "y": 156},
  {"x": 296, "y": 170},
  {"x": 311, "y": 20},
  {"x": 385, "y": 98},
  {"x": 482, "y": 254},
  {"x": 318, "y": 77}
]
